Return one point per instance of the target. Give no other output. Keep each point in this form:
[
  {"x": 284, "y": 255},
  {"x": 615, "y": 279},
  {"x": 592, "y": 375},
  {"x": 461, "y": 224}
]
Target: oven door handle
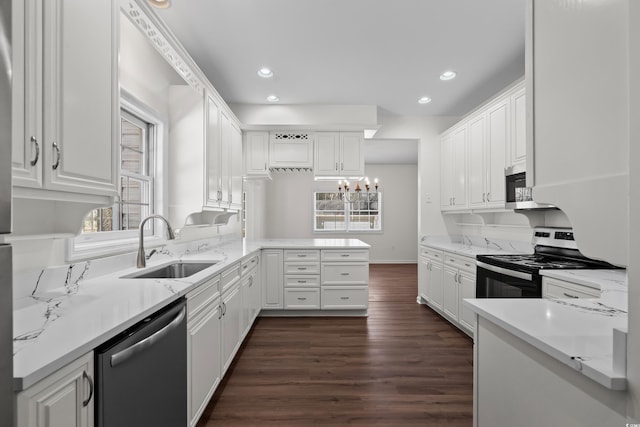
[{"x": 505, "y": 271}]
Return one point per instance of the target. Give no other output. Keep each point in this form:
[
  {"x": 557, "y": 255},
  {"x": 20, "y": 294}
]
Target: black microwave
[{"x": 513, "y": 182}]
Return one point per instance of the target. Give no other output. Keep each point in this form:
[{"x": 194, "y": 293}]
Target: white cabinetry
[
  {"x": 63, "y": 399},
  {"x": 454, "y": 164},
  {"x": 554, "y": 288},
  {"x": 256, "y": 155},
  {"x": 291, "y": 150},
  {"x": 251, "y": 294},
  {"x": 344, "y": 279},
  {"x": 204, "y": 318},
  {"x": 64, "y": 60},
  {"x": 302, "y": 279},
  {"x": 223, "y": 158},
  {"x": 339, "y": 154},
  {"x": 518, "y": 144},
  {"x": 476, "y": 151},
  {"x": 488, "y": 136},
  {"x": 231, "y": 314},
  {"x": 433, "y": 269},
  {"x": 565, "y": 124},
  {"x": 459, "y": 283},
  {"x": 273, "y": 279}
]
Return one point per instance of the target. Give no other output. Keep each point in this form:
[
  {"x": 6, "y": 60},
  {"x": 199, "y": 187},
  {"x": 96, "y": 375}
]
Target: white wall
[{"x": 289, "y": 210}]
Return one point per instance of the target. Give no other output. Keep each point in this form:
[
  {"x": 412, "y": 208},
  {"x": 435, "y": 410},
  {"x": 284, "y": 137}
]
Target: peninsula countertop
[{"x": 71, "y": 309}]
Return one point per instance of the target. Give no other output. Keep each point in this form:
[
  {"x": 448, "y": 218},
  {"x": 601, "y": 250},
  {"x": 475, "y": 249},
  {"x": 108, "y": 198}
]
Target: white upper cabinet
[
  {"x": 339, "y": 154},
  {"x": 65, "y": 99},
  {"x": 291, "y": 150},
  {"x": 518, "y": 145},
  {"x": 224, "y": 159},
  {"x": 476, "y": 151},
  {"x": 454, "y": 175},
  {"x": 256, "y": 155},
  {"x": 580, "y": 118}
]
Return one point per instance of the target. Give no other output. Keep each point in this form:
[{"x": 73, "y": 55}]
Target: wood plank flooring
[{"x": 403, "y": 365}]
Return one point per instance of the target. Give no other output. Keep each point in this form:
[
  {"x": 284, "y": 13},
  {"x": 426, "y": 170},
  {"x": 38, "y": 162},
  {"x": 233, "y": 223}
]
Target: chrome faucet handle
[{"x": 153, "y": 251}]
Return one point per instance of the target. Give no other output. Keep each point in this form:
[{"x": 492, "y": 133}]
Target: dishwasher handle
[{"x": 121, "y": 356}]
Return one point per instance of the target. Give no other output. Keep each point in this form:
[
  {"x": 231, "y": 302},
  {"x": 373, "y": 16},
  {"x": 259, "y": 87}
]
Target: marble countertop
[
  {"x": 72, "y": 309},
  {"x": 577, "y": 332},
  {"x": 472, "y": 246}
]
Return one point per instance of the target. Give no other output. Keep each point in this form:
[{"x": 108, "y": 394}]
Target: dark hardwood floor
[{"x": 403, "y": 365}]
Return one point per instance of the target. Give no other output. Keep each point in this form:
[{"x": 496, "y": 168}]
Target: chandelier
[{"x": 349, "y": 197}]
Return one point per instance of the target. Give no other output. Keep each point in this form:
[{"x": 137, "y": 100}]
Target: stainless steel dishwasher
[{"x": 141, "y": 377}]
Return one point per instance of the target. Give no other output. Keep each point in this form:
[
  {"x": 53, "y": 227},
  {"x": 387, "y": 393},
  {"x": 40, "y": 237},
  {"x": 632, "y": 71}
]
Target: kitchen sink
[{"x": 175, "y": 270}]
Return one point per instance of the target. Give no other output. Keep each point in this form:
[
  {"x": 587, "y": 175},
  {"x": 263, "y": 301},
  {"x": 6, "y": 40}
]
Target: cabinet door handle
[
  {"x": 483, "y": 200},
  {"x": 569, "y": 295},
  {"x": 88, "y": 379},
  {"x": 35, "y": 160},
  {"x": 250, "y": 281},
  {"x": 57, "y": 163},
  {"x": 488, "y": 197},
  {"x": 336, "y": 165},
  {"x": 219, "y": 312},
  {"x": 224, "y": 308}
]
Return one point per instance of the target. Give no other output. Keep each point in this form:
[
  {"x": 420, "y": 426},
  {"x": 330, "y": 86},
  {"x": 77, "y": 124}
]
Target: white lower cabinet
[
  {"x": 431, "y": 279},
  {"x": 444, "y": 281},
  {"x": 344, "y": 279},
  {"x": 204, "y": 314},
  {"x": 272, "y": 279},
  {"x": 63, "y": 399},
  {"x": 231, "y": 324},
  {"x": 302, "y": 298},
  {"x": 251, "y": 294},
  {"x": 554, "y": 288}
]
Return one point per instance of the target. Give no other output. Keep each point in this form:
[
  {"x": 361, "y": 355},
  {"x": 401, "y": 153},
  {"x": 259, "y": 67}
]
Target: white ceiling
[{"x": 386, "y": 53}]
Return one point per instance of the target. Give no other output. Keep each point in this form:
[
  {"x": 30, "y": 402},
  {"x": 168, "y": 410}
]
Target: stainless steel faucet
[{"x": 142, "y": 261}]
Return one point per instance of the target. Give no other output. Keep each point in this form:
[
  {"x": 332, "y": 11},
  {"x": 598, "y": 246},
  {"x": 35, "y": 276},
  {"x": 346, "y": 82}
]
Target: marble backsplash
[{"x": 481, "y": 242}]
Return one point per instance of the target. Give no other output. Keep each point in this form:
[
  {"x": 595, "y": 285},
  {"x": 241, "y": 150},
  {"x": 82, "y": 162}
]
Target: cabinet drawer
[
  {"x": 297, "y": 281},
  {"x": 249, "y": 263},
  {"x": 460, "y": 262},
  {"x": 345, "y": 273},
  {"x": 229, "y": 276},
  {"x": 301, "y": 268},
  {"x": 203, "y": 295},
  {"x": 302, "y": 255},
  {"x": 428, "y": 252},
  {"x": 345, "y": 298},
  {"x": 301, "y": 299},
  {"x": 552, "y": 288},
  {"x": 345, "y": 255}
]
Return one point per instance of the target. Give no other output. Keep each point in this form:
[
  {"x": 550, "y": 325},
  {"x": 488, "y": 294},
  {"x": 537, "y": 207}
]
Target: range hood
[{"x": 528, "y": 205}]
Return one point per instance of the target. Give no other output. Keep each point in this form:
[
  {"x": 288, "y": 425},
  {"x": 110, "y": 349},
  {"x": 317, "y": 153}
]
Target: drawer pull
[
  {"x": 344, "y": 274},
  {"x": 344, "y": 297},
  {"x": 345, "y": 255},
  {"x": 569, "y": 295},
  {"x": 302, "y": 268},
  {"x": 302, "y": 299},
  {"x": 302, "y": 255},
  {"x": 302, "y": 281},
  {"x": 245, "y": 267}
]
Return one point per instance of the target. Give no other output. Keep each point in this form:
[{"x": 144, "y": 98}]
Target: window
[
  {"x": 354, "y": 211},
  {"x": 114, "y": 229},
  {"x": 136, "y": 180}
]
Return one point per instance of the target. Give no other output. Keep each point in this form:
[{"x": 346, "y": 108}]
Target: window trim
[
  {"x": 116, "y": 242},
  {"x": 347, "y": 213}
]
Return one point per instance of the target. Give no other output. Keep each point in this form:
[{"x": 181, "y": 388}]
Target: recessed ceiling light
[
  {"x": 273, "y": 98},
  {"x": 265, "y": 72},
  {"x": 424, "y": 100},
  {"x": 448, "y": 75},
  {"x": 160, "y": 4}
]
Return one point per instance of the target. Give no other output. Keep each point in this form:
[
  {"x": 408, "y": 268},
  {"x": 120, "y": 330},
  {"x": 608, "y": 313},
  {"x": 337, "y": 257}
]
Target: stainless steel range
[{"x": 518, "y": 276}]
